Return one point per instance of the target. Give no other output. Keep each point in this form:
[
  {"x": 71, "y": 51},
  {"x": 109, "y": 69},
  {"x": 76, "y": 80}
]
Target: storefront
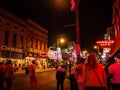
[
  {"x": 41, "y": 59},
  {"x": 14, "y": 54}
]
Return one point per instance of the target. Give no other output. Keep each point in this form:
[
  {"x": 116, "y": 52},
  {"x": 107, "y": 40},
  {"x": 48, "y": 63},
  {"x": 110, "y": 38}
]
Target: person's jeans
[
  {"x": 60, "y": 83},
  {"x": 1, "y": 83},
  {"x": 115, "y": 86},
  {"x": 9, "y": 83},
  {"x": 95, "y": 88}
]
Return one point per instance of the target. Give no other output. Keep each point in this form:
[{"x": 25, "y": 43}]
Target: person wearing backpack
[{"x": 60, "y": 77}]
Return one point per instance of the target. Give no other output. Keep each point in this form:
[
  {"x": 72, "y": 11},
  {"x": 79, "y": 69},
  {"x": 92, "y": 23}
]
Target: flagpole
[
  {"x": 77, "y": 30},
  {"x": 77, "y": 23}
]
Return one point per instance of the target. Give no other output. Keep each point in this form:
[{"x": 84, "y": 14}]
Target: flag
[{"x": 73, "y": 5}]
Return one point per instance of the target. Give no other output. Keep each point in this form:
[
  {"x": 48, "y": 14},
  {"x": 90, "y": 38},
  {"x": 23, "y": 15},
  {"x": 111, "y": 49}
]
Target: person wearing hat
[
  {"x": 114, "y": 73},
  {"x": 33, "y": 80}
]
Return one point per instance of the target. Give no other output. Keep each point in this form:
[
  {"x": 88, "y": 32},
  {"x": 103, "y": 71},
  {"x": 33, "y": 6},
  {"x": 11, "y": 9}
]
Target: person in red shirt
[
  {"x": 9, "y": 74},
  {"x": 94, "y": 76},
  {"x": 33, "y": 80},
  {"x": 78, "y": 74}
]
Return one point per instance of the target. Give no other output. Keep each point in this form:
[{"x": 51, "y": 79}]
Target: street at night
[
  {"x": 74, "y": 44},
  {"x": 45, "y": 81}
]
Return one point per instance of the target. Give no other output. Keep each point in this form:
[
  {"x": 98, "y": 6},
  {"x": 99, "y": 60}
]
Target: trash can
[
  {"x": 73, "y": 83},
  {"x": 26, "y": 70}
]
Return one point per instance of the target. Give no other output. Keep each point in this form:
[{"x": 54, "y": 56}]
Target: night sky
[{"x": 95, "y": 16}]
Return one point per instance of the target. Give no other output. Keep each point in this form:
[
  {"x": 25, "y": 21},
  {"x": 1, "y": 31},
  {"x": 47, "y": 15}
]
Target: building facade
[
  {"x": 116, "y": 24},
  {"x": 21, "y": 40}
]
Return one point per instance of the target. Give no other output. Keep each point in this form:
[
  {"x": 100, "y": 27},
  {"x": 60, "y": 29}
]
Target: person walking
[
  {"x": 78, "y": 74},
  {"x": 2, "y": 70},
  {"x": 33, "y": 80},
  {"x": 60, "y": 77},
  {"x": 9, "y": 76},
  {"x": 114, "y": 73},
  {"x": 94, "y": 76}
]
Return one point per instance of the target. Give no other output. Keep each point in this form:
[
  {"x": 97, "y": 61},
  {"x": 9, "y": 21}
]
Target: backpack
[{"x": 60, "y": 75}]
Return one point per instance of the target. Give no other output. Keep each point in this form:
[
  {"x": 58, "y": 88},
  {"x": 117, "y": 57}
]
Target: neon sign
[{"x": 105, "y": 43}]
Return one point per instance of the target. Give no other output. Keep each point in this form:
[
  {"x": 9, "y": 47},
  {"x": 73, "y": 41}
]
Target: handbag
[{"x": 104, "y": 88}]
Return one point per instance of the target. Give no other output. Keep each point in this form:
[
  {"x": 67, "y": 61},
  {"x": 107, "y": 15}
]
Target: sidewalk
[{"x": 22, "y": 72}]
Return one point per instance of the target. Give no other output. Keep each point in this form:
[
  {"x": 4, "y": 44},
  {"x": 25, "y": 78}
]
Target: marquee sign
[
  {"x": 43, "y": 54},
  {"x": 105, "y": 43},
  {"x": 7, "y": 48}
]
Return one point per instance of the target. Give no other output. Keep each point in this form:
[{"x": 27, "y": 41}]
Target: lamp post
[
  {"x": 78, "y": 50},
  {"x": 77, "y": 28},
  {"x": 97, "y": 48},
  {"x": 59, "y": 41}
]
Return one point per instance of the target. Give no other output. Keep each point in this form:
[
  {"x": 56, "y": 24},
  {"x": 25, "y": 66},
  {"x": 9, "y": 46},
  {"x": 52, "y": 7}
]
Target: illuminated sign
[
  {"x": 43, "y": 54},
  {"x": 105, "y": 43},
  {"x": 7, "y": 48}
]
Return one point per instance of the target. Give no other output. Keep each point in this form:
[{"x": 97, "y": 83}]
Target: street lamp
[
  {"x": 78, "y": 50},
  {"x": 77, "y": 24},
  {"x": 97, "y": 50},
  {"x": 58, "y": 49}
]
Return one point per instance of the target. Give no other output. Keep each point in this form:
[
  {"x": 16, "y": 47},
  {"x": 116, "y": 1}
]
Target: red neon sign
[
  {"x": 43, "y": 54},
  {"x": 106, "y": 43}
]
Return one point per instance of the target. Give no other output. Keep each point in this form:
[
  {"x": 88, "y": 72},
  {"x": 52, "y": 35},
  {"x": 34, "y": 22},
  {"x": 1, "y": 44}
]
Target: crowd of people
[
  {"x": 7, "y": 75},
  {"x": 89, "y": 74}
]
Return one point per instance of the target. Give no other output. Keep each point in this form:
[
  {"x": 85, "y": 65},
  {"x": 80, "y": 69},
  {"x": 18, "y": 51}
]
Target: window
[
  {"x": 5, "y": 54},
  {"x": 31, "y": 43},
  {"x": 21, "y": 42},
  {"x": 14, "y": 39},
  {"x": 6, "y": 37},
  {"x": 36, "y": 44}
]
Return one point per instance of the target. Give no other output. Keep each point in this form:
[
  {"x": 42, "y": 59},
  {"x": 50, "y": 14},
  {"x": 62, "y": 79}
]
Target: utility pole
[
  {"x": 77, "y": 30},
  {"x": 77, "y": 45}
]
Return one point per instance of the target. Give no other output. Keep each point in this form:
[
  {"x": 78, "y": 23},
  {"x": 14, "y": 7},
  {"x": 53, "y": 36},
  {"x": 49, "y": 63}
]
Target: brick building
[{"x": 21, "y": 40}]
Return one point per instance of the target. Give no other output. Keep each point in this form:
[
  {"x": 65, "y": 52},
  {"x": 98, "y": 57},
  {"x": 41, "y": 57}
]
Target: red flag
[{"x": 72, "y": 5}]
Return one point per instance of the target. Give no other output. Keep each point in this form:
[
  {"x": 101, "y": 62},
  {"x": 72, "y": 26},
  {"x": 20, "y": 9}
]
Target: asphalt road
[{"x": 45, "y": 81}]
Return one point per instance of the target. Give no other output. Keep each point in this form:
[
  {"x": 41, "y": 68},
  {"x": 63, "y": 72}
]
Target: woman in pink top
[
  {"x": 33, "y": 80},
  {"x": 9, "y": 74},
  {"x": 78, "y": 74},
  {"x": 94, "y": 76}
]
